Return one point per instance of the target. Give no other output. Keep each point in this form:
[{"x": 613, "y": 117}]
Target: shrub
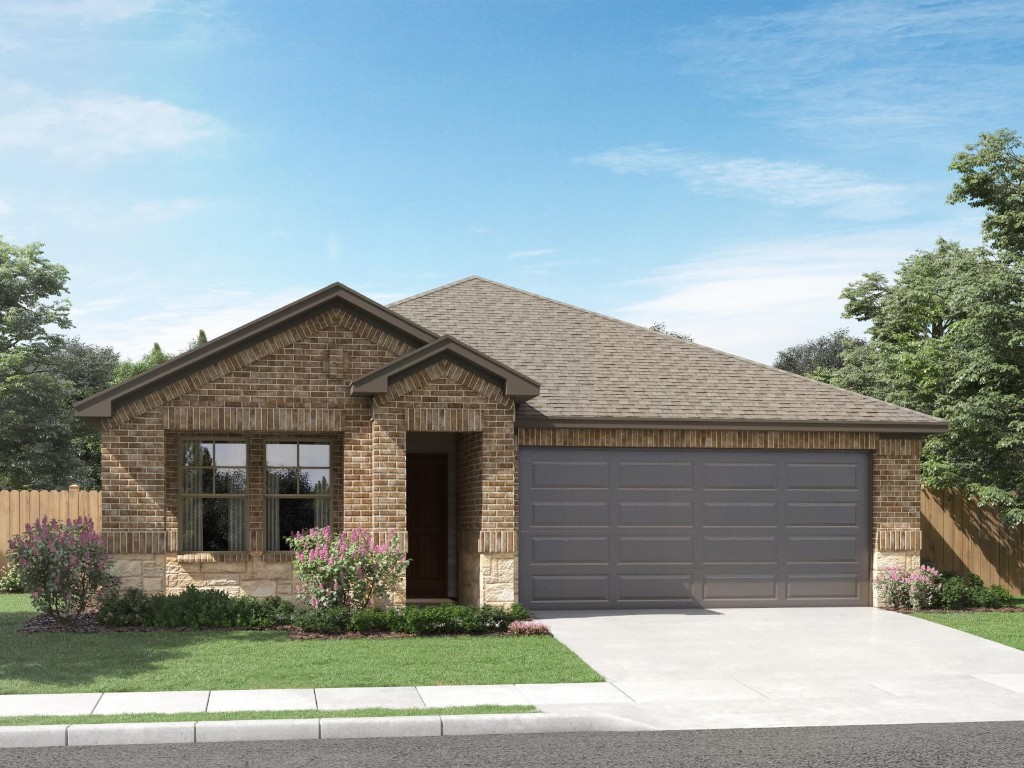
[
  {"x": 969, "y": 591},
  {"x": 10, "y": 578},
  {"x": 323, "y": 620},
  {"x": 412, "y": 620},
  {"x": 905, "y": 588},
  {"x": 63, "y": 565},
  {"x": 128, "y": 608},
  {"x": 528, "y": 628},
  {"x": 194, "y": 609},
  {"x": 346, "y": 568}
]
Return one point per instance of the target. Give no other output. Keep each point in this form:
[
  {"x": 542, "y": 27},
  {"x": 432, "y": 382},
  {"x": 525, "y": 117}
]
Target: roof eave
[
  {"x": 517, "y": 386},
  {"x": 934, "y": 427}
]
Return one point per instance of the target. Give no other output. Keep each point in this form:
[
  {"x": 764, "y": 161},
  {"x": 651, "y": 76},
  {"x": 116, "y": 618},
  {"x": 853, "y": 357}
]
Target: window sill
[
  {"x": 276, "y": 556},
  {"x": 212, "y": 557}
]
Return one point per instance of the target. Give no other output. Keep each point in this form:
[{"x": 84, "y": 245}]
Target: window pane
[
  {"x": 294, "y": 515},
  {"x": 230, "y": 480},
  {"x": 196, "y": 454},
  {"x": 282, "y": 455},
  {"x": 322, "y": 514},
  {"x": 191, "y": 525},
  {"x": 314, "y": 481},
  {"x": 317, "y": 455},
  {"x": 224, "y": 525},
  {"x": 197, "y": 480},
  {"x": 281, "y": 481},
  {"x": 216, "y": 525},
  {"x": 230, "y": 454}
]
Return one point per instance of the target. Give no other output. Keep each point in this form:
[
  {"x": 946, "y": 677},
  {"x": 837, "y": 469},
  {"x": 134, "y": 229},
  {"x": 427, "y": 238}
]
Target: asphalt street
[{"x": 965, "y": 745}]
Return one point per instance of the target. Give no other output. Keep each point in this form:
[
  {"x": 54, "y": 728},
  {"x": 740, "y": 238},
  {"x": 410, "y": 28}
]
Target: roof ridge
[
  {"x": 548, "y": 299},
  {"x": 435, "y": 290}
]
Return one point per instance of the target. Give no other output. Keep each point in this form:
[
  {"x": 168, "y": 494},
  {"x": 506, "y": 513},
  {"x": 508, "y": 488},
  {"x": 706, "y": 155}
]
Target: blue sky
[{"x": 725, "y": 168}]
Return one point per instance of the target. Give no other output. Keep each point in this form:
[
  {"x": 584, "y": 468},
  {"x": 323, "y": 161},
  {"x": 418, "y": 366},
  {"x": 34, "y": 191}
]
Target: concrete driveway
[{"x": 755, "y": 667}]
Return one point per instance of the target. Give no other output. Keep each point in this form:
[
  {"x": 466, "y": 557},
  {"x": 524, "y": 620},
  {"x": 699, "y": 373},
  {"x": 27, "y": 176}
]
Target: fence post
[{"x": 73, "y": 502}]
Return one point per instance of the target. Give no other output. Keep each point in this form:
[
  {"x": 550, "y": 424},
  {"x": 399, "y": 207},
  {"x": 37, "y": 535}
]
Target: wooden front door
[{"x": 426, "y": 509}]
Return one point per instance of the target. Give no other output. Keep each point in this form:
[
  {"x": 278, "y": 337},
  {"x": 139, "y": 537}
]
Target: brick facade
[{"x": 294, "y": 385}]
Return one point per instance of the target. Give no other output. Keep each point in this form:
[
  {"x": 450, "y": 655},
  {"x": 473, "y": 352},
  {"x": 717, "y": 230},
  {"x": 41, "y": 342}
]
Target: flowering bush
[
  {"x": 63, "y": 565},
  {"x": 905, "y": 588},
  {"x": 346, "y": 568},
  {"x": 528, "y": 628},
  {"x": 10, "y": 578}
]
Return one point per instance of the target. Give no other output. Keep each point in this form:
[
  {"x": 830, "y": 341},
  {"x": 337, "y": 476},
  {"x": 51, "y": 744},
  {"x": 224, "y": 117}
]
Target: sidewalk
[{"x": 321, "y": 699}]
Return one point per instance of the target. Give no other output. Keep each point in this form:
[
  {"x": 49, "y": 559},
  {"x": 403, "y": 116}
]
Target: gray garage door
[{"x": 638, "y": 528}]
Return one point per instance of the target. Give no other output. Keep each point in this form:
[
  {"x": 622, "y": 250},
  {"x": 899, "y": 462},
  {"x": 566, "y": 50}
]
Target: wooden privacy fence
[
  {"x": 960, "y": 536},
  {"x": 19, "y": 508}
]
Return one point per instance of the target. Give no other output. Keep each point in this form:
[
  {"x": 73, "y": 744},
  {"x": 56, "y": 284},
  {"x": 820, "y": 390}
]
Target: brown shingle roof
[{"x": 597, "y": 369}]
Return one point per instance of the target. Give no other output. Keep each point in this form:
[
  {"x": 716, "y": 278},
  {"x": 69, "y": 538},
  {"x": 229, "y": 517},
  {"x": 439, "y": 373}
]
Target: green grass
[
  {"x": 1005, "y": 628},
  {"x": 183, "y": 661},
  {"x": 294, "y": 714}
]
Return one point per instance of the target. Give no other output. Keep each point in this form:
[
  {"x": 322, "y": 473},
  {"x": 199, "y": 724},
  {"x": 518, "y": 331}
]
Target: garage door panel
[
  {"x": 684, "y": 527},
  {"x": 567, "y": 589},
  {"x": 821, "y": 549},
  {"x": 822, "y": 513},
  {"x": 649, "y": 475},
  {"x": 655, "y": 550},
  {"x": 739, "y": 513},
  {"x": 740, "y": 549},
  {"x": 823, "y": 587},
  {"x": 733, "y": 476},
  {"x": 571, "y": 474},
  {"x": 817, "y": 475},
  {"x": 568, "y": 513},
  {"x": 571, "y": 550},
  {"x": 658, "y": 513},
  {"x": 736, "y": 587},
  {"x": 667, "y": 587}
]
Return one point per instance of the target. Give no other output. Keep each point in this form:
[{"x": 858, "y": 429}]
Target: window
[
  {"x": 214, "y": 481},
  {"x": 298, "y": 489}
]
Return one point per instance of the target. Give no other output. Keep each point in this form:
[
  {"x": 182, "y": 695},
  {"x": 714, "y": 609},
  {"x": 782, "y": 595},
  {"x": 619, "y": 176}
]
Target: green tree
[
  {"x": 947, "y": 338},
  {"x": 992, "y": 177},
  {"x": 42, "y": 373},
  {"x": 31, "y": 302},
  {"x": 818, "y": 358},
  {"x": 660, "y": 327},
  {"x": 129, "y": 368}
]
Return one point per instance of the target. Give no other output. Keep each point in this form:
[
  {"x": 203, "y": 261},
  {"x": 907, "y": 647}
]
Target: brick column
[{"x": 896, "y": 519}]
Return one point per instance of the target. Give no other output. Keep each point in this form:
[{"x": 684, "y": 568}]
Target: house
[{"x": 526, "y": 450}]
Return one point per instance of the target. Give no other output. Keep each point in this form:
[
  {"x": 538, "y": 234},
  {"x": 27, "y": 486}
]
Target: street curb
[{"x": 207, "y": 731}]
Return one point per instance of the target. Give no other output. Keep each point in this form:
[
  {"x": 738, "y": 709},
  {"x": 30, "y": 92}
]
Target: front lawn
[
  {"x": 232, "y": 660},
  {"x": 1006, "y": 627}
]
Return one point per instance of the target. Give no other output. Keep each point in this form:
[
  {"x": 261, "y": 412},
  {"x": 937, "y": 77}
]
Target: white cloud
[
  {"x": 88, "y": 11},
  {"x": 532, "y": 254},
  {"x": 170, "y": 312},
  {"x": 846, "y": 194},
  {"x": 5, "y": 208},
  {"x": 868, "y": 66},
  {"x": 757, "y": 299},
  {"x": 100, "y": 126}
]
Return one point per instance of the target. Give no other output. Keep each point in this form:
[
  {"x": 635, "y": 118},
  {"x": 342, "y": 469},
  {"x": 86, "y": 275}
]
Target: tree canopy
[
  {"x": 817, "y": 358},
  {"x": 992, "y": 177}
]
